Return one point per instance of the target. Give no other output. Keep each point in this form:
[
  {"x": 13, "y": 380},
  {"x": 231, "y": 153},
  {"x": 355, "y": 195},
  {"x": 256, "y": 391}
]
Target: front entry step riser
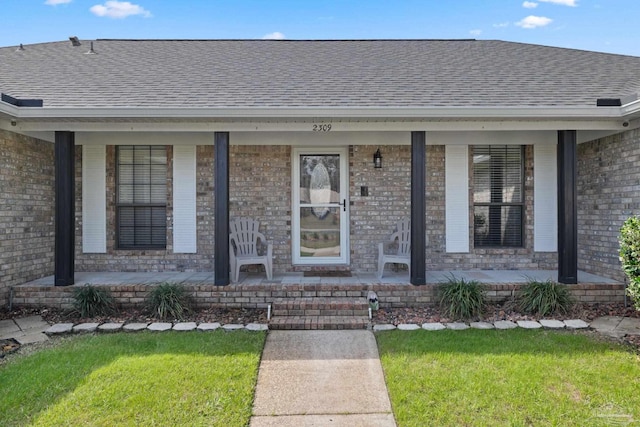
[
  {"x": 319, "y": 313},
  {"x": 320, "y": 306},
  {"x": 319, "y": 322}
]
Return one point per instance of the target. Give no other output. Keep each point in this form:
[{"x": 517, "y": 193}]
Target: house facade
[{"x": 132, "y": 155}]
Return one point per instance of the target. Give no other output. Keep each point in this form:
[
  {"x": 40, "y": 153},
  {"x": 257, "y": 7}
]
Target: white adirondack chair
[
  {"x": 401, "y": 253},
  {"x": 243, "y": 247}
]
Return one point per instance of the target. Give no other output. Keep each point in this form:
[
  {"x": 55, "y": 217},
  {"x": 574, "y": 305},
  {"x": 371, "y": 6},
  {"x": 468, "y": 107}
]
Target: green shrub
[
  {"x": 460, "y": 299},
  {"x": 630, "y": 256},
  {"x": 169, "y": 301},
  {"x": 544, "y": 298},
  {"x": 90, "y": 301}
]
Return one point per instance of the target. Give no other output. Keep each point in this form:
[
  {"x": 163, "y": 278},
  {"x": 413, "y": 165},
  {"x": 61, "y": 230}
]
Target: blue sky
[{"x": 599, "y": 25}]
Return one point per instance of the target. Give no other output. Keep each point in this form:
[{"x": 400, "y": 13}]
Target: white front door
[{"x": 320, "y": 221}]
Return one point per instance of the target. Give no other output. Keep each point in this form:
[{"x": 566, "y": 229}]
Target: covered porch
[
  {"x": 254, "y": 291},
  {"x": 390, "y": 278}
]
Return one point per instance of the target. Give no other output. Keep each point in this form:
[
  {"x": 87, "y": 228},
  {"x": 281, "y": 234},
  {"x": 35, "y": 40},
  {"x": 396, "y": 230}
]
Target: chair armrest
[
  {"x": 232, "y": 254},
  {"x": 389, "y": 247}
]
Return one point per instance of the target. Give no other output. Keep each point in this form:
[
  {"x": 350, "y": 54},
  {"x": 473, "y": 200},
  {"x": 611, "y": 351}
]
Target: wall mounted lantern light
[{"x": 377, "y": 159}]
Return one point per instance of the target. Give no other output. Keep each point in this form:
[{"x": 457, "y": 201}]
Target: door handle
[{"x": 344, "y": 204}]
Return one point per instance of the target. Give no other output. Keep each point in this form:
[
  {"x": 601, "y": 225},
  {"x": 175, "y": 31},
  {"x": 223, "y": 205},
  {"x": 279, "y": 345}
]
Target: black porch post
[
  {"x": 418, "y": 208},
  {"x": 567, "y": 208},
  {"x": 64, "y": 208},
  {"x": 221, "y": 197}
]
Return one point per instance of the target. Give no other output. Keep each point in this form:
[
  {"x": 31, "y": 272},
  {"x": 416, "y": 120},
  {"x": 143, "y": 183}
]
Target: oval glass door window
[{"x": 320, "y": 190}]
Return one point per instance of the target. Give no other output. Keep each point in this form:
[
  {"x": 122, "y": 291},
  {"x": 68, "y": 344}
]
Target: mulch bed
[
  {"x": 395, "y": 316},
  {"x": 503, "y": 311},
  {"x": 418, "y": 315},
  {"x": 8, "y": 346}
]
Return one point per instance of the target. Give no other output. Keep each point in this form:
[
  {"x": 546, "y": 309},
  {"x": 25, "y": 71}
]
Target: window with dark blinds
[
  {"x": 141, "y": 196},
  {"x": 498, "y": 187}
]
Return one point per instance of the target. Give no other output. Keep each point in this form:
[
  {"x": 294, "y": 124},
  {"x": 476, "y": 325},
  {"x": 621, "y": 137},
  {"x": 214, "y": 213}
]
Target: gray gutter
[{"x": 501, "y": 113}]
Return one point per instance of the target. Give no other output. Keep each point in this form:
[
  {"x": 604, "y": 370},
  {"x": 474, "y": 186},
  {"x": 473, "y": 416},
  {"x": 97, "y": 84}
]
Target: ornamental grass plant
[
  {"x": 90, "y": 301},
  {"x": 169, "y": 301},
  {"x": 544, "y": 298},
  {"x": 461, "y": 299}
]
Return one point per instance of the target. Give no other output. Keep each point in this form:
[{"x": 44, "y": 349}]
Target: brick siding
[
  {"x": 608, "y": 182},
  {"x": 151, "y": 260},
  {"x": 260, "y": 187},
  {"x": 373, "y": 217},
  {"x": 26, "y": 210}
]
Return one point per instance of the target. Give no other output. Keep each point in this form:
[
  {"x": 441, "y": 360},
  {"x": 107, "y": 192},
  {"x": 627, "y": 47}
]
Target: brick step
[
  {"x": 320, "y": 306},
  {"x": 318, "y": 322}
]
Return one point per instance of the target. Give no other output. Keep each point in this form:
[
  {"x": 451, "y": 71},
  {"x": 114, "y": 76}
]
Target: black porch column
[
  {"x": 221, "y": 197},
  {"x": 418, "y": 208},
  {"x": 65, "y": 208},
  {"x": 567, "y": 208}
]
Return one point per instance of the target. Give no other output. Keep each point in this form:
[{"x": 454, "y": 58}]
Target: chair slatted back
[
  {"x": 244, "y": 234},
  {"x": 403, "y": 234}
]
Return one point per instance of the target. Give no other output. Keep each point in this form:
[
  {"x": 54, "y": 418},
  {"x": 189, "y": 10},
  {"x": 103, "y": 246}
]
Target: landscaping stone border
[
  {"x": 70, "y": 328},
  {"x": 500, "y": 325},
  {"x": 67, "y": 328}
]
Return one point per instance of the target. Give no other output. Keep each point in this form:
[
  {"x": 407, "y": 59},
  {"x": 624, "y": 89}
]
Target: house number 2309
[{"x": 325, "y": 127}]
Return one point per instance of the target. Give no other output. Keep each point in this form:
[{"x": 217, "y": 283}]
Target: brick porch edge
[{"x": 259, "y": 296}]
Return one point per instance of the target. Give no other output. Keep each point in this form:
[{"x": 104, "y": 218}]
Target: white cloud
[
  {"x": 475, "y": 32},
  {"x": 572, "y": 3},
  {"x": 274, "y": 36},
  {"x": 57, "y": 2},
  {"x": 119, "y": 9},
  {"x": 529, "y": 5},
  {"x": 532, "y": 21}
]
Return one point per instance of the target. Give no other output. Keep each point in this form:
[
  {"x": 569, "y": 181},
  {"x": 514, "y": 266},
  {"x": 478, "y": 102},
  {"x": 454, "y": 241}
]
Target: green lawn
[
  {"x": 141, "y": 379},
  {"x": 509, "y": 378}
]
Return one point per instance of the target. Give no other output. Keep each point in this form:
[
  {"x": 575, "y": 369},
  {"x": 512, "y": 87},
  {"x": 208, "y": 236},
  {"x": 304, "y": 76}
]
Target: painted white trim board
[{"x": 185, "y": 239}]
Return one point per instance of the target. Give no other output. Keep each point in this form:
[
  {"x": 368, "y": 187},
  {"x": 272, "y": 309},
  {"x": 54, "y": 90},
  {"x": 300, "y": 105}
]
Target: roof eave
[
  {"x": 631, "y": 111},
  {"x": 441, "y": 113}
]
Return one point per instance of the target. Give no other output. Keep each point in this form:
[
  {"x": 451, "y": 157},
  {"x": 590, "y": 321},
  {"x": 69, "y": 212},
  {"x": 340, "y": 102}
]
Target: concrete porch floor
[{"x": 207, "y": 278}]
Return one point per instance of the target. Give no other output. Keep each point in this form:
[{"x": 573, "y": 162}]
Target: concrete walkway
[
  {"x": 320, "y": 378},
  {"x": 25, "y": 330},
  {"x": 616, "y": 327}
]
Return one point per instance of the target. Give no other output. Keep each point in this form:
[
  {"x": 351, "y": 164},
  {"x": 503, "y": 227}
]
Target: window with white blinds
[
  {"x": 142, "y": 196},
  {"x": 498, "y": 195}
]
